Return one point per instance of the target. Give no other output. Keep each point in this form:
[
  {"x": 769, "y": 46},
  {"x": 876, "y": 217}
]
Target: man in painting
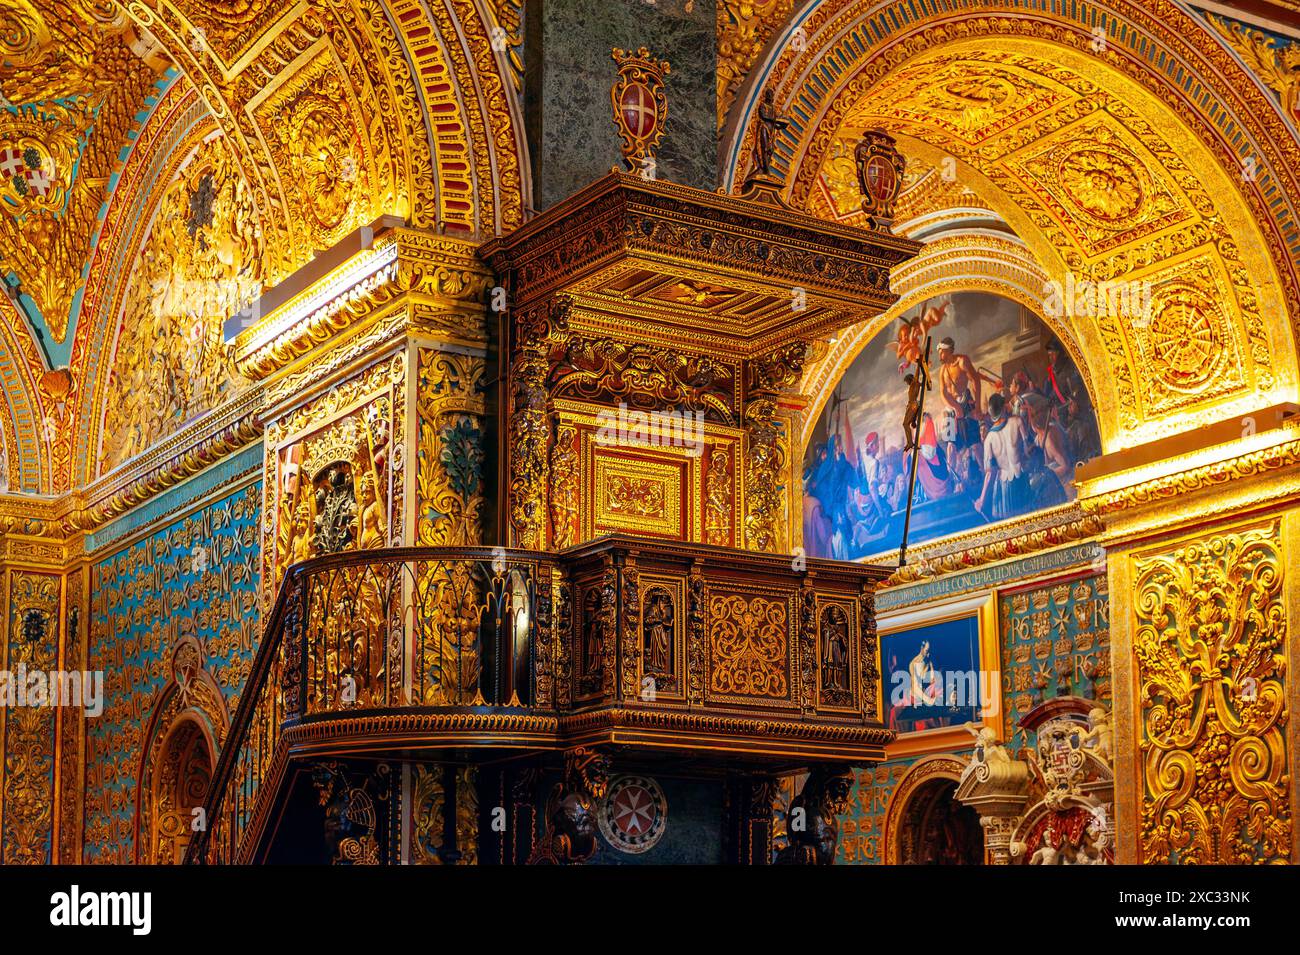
[
  {"x": 816, "y": 519},
  {"x": 959, "y": 385},
  {"x": 1062, "y": 379},
  {"x": 869, "y": 474},
  {"x": 1006, "y": 486},
  {"x": 920, "y": 672},
  {"x": 1085, "y": 444},
  {"x": 920, "y": 688}
]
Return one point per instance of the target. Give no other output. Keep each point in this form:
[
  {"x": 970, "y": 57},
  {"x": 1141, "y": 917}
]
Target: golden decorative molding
[
  {"x": 1274, "y": 61},
  {"x": 920, "y": 566},
  {"x": 433, "y": 277},
  {"x": 1210, "y": 625}
]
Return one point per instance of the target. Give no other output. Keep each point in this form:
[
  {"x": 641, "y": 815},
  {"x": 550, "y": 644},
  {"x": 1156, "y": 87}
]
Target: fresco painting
[{"x": 1006, "y": 422}]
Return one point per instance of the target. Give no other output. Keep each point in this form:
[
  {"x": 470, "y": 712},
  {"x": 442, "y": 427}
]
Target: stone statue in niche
[
  {"x": 592, "y": 664},
  {"x": 336, "y": 509},
  {"x": 835, "y": 655},
  {"x": 657, "y": 623},
  {"x": 825, "y": 797}
]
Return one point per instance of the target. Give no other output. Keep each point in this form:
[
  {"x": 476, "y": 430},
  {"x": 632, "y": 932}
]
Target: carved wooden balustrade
[{"x": 621, "y": 642}]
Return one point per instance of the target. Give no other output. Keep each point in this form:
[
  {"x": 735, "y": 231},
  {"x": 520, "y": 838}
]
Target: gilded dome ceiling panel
[
  {"x": 1092, "y": 177},
  {"x": 178, "y": 123},
  {"x": 1187, "y": 337},
  {"x": 69, "y": 97},
  {"x": 972, "y": 98},
  {"x": 310, "y": 125},
  {"x": 421, "y": 125},
  {"x": 200, "y": 263},
  {"x": 230, "y": 28}
]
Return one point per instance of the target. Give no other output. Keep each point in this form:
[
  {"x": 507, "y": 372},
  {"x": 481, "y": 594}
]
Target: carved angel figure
[{"x": 1100, "y": 735}]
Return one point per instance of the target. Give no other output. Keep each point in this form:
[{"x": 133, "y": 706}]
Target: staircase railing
[{"x": 376, "y": 630}]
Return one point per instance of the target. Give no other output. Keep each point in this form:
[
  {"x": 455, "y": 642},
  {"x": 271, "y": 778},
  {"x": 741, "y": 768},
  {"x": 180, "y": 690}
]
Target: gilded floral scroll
[{"x": 1210, "y": 629}]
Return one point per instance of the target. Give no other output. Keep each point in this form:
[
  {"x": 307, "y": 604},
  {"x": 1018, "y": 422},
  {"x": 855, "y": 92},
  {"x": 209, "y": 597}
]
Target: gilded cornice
[
  {"x": 197, "y": 446},
  {"x": 183, "y": 455},
  {"x": 434, "y": 281},
  {"x": 1013, "y": 540},
  {"x": 1257, "y": 473},
  {"x": 618, "y": 246}
]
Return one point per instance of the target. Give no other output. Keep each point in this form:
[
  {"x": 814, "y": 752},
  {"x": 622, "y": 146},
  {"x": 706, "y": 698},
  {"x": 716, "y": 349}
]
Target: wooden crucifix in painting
[{"x": 918, "y": 383}]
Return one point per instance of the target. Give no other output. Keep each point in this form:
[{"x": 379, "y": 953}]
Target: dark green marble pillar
[{"x": 568, "y": 73}]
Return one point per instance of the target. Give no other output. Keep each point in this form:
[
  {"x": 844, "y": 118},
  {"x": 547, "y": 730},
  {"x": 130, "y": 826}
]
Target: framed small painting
[{"x": 941, "y": 674}]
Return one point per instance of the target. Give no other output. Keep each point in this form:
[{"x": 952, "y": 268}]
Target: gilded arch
[
  {"x": 380, "y": 106},
  {"x": 329, "y": 115},
  {"x": 920, "y": 777},
  {"x": 22, "y": 432},
  {"x": 180, "y": 780},
  {"x": 1221, "y": 261},
  {"x": 181, "y": 742}
]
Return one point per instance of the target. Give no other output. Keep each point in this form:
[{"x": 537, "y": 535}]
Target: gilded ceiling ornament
[
  {"x": 317, "y": 134},
  {"x": 228, "y": 27},
  {"x": 1272, "y": 59},
  {"x": 744, "y": 28},
  {"x": 640, "y": 107},
  {"x": 70, "y": 95},
  {"x": 1104, "y": 183}
]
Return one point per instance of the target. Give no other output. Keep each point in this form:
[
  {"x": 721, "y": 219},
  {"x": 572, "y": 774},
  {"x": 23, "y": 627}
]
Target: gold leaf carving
[{"x": 1210, "y": 626}]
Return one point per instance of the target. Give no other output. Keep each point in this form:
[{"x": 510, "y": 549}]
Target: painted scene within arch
[{"x": 1006, "y": 423}]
